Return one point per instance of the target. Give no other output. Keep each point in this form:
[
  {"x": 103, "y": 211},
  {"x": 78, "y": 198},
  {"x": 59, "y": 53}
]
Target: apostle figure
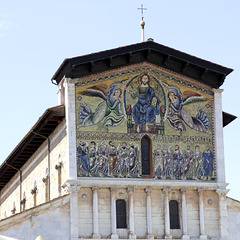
[
  {"x": 124, "y": 158},
  {"x": 113, "y": 158},
  {"x": 207, "y": 156},
  {"x": 83, "y": 160},
  {"x": 178, "y": 161},
  {"x": 158, "y": 162}
]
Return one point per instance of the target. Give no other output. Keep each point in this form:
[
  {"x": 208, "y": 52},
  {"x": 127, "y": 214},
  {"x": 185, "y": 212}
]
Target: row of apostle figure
[{"x": 123, "y": 160}]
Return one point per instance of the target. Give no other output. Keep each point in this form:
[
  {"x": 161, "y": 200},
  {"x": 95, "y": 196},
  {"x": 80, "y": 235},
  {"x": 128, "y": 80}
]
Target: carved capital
[
  {"x": 113, "y": 189},
  {"x": 200, "y": 191},
  {"x": 68, "y": 81},
  {"x": 58, "y": 166},
  {"x": 94, "y": 189},
  {"x": 222, "y": 193},
  {"x": 219, "y": 91},
  {"x": 23, "y": 201},
  {"x": 72, "y": 188},
  {"x": 34, "y": 190},
  {"x": 166, "y": 190},
  {"x": 183, "y": 190},
  {"x": 130, "y": 190},
  {"x": 13, "y": 210},
  {"x": 148, "y": 190},
  {"x": 45, "y": 179}
]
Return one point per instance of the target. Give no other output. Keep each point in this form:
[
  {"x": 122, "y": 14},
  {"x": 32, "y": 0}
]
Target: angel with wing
[
  {"x": 110, "y": 108},
  {"x": 178, "y": 116}
]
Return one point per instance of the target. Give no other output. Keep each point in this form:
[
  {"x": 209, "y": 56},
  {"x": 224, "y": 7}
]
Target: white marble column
[
  {"x": 73, "y": 189},
  {"x": 95, "y": 213},
  {"x": 201, "y": 215},
  {"x": 149, "y": 214},
  {"x": 167, "y": 215},
  {"x": 223, "y": 213},
  {"x": 131, "y": 213},
  {"x": 218, "y": 134},
  {"x": 113, "y": 213},
  {"x": 184, "y": 215},
  {"x": 71, "y": 161}
]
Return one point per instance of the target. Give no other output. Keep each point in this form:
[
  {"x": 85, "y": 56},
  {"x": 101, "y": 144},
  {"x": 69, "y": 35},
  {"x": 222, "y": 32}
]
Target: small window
[
  {"x": 121, "y": 214},
  {"x": 146, "y": 157},
  {"x": 174, "y": 216}
]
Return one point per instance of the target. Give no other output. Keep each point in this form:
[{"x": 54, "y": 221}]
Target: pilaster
[
  {"x": 223, "y": 213},
  {"x": 71, "y": 163},
  {"x": 218, "y": 133},
  {"x": 201, "y": 215},
  {"x": 95, "y": 213},
  {"x": 73, "y": 189},
  {"x": 132, "y": 235},
  {"x": 149, "y": 213},
  {"x": 113, "y": 213},
  {"x": 184, "y": 215},
  {"x": 167, "y": 217}
]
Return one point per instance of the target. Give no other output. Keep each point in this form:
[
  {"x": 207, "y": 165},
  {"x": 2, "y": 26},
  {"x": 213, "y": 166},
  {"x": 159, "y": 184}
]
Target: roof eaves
[{"x": 58, "y": 111}]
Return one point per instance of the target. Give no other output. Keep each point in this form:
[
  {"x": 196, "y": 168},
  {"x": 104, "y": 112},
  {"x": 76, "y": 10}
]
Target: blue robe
[
  {"x": 207, "y": 163},
  {"x": 177, "y": 163},
  {"x": 83, "y": 159},
  {"x": 143, "y": 112}
]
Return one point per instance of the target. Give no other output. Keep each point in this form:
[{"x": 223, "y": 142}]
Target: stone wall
[
  {"x": 193, "y": 223},
  {"x": 233, "y": 219},
  {"x": 35, "y": 177},
  {"x": 50, "y": 221}
]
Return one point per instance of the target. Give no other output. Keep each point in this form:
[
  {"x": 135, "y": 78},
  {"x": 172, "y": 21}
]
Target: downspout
[
  {"x": 20, "y": 175},
  {"x": 48, "y": 161}
]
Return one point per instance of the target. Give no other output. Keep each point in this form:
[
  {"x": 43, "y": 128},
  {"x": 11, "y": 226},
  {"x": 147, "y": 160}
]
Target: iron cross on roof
[{"x": 142, "y": 9}]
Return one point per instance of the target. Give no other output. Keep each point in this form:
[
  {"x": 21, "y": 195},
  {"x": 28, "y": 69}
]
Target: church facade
[{"x": 133, "y": 150}]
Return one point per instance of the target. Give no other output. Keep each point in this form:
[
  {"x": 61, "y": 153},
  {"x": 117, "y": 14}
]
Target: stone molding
[{"x": 72, "y": 188}]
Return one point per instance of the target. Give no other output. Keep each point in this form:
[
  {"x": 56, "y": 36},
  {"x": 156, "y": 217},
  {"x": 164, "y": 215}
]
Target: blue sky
[{"x": 36, "y": 36}]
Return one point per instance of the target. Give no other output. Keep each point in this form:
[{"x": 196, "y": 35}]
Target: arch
[
  {"x": 121, "y": 213},
  {"x": 146, "y": 156},
  {"x": 174, "y": 214}
]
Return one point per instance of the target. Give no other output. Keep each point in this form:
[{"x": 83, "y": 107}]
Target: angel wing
[
  {"x": 96, "y": 91},
  {"x": 191, "y": 97}
]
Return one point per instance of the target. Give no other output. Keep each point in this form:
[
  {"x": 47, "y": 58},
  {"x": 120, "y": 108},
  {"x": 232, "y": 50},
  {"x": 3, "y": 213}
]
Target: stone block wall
[
  {"x": 157, "y": 204},
  {"x": 50, "y": 221},
  {"x": 85, "y": 210},
  {"x": 34, "y": 190},
  {"x": 140, "y": 212},
  {"x": 104, "y": 212},
  {"x": 211, "y": 213},
  {"x": 192, "y": 203},
  {"x": 233, "y": 219}
]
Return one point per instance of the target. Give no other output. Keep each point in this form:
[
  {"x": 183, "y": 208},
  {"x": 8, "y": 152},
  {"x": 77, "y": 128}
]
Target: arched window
[
  {"x": 146, "y": 150},
  {"x": 121, "y": 213},
  {"x": 174, "y": 215}
]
